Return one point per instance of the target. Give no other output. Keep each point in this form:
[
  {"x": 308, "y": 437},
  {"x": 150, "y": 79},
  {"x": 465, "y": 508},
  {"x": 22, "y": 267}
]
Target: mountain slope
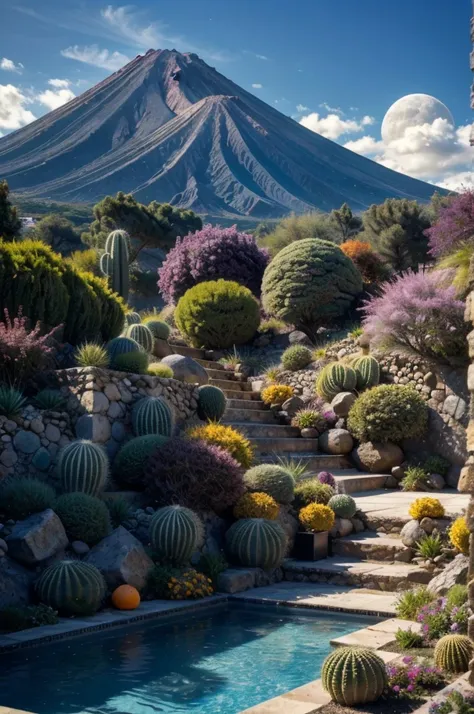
[{"x": 169, "y": 127}]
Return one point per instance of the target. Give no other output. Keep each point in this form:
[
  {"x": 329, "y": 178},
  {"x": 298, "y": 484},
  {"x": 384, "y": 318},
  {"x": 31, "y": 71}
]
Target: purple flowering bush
[
  {"x": 418, "y": 311},
  {"x": 211, "y": 254},
  {"x": 413, "y": 679},
  {"x": 438, "y": 619},
  {"x": 454, "y": 226},
  {"x": 327, "y": 478},
  {"x": 23, "y": 351}
]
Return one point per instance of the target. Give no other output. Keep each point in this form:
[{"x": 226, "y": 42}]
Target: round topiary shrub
[
  {"x": 388, "y": 413},
  {"x": 211, "y": 253},
  {"x": 175, "y": 533},
  {"x": 459, "y": 535},
  {"x": 426, "y": 507},
  {"x": 256, "y": 543},
  {"x": 312, "y": 491},
  {"x": 310, "y": 283},
  {"x": 296, "y": 357},
  {"x": 21, "y": 497},
  {"x": 84, "y": 517},
  {"x": 133, "y": 362},
  {"x": 256, "y": 505},
  {"x": 217, "y": 314},
  {"x": 72, "y": 588},
  {"x": 227, "y": 438},
  {"x": 195, "y": 474},
  {"x": 271, "y": 479},
  {"x": 343, "y": 505},
  {"x": 316, "y": 517},
  {"x": 353, "y": 675},
  {"x": 157, "y": 369},
  {"x": 130, "y": 462}
]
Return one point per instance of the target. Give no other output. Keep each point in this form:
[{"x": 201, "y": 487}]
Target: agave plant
[
  {"x": 49, "y": 399},
  {"x": 11, "y": 401},
  {"x": 91, "y": 354}
]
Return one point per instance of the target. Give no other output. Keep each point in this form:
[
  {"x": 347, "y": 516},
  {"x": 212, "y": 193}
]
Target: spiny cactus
[
  {"x": 335, "y": 378},
  {"x": 343, "y": 505},
  {"x": 257, "y": 543},
  {"x": 453, "y": 653},
  {"x": 175, "y": 533},
  {"x": 211, "y": 403},
  {"x": 271, "y": 479},
  {"x": 353, "y": 675},
  {"x": 131, "y": 460},
  {"x": 132, "y": 318},
  {"x": 368, "y": 372},
  {"x": 152, "y": 415},
  {"x": 134, "y": 362},
  {"x": 120, "y": 346},
  {"x": 159, "y": 329},
  {"x": 71, "y": 587},
  {"x": 83, "y": 466},
  {"x": 114, "y": 262},
  {"x": 141, "y": 334}
]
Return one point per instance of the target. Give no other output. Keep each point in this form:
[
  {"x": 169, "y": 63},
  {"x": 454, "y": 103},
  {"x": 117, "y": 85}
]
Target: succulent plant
[
  {"x": 296, "y": 357},
  {"x": 343, "y": 505},
  {"x": 132, "y": 318},
  {"x": 83, "y": 466},
  {"x": 141, "y": 334},
  {"x": 256, "y": 505},
  {"x": 119, "y": 346},
  {"x": 257, "y": 543},
  {"x": 175, "y": 533},
  {"x": 49, "y": 399},
  {"x": 353, "y": 675},
  {"x": 152, "y": 415},
  {"x": 211, "y": 403},
  {"x": 131, "y": 460},
  {"x": 91, "y": 354},
  {"x": 20, "y": 497},
  {"x": 114, "y": 262},
  {"x": 335, "y": 378},
  {"x": 453, "y": 653},
  {"x": 133, "y": 362},
  {"x": 277, "y": 393},
  {"x": 12, "y": 401},
  {"x": 158, "y": 369},
  {"x": 310, "y": 490},
  {"x": 71, "y": 587},
  {"x": 84, "y": 517},
  {"x": 159, "y": 329},
  {"x": 271, "y": 479},
  {"x": 367, "y": 370}
]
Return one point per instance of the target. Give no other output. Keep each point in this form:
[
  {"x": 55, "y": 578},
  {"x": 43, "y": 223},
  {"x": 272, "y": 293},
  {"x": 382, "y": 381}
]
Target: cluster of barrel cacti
[{"x": 356, "y": 374}]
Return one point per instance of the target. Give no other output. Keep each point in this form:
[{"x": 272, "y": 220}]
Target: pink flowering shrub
[
  {"x": 23, "y": 351},
  {"x": 211, "y": 254},
  {"x": 413, "y": 679},
  {"x": 418, "y": 311},
  {"x": 454, "y": 226},
  {"x": 437, "y": 619}
]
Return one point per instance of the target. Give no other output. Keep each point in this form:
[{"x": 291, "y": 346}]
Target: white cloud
[
  {"x": 301, "y": 108},
  {"x": 9, "y": 66},
  {"x": 54, "y": 99},
  {"x": 459, "y": 182},
  {"x": 91, "y": 54},
  {"x": 125, "y": 22},
  {"x": 331, "y": 110},
  {"x": 366, "y": 145},
  {"x": 257, "y": 85},
  {"x": 13, "y": 113},
  {"x": 333, "y": 126},
  {"x": 261, "y": 57},
  {"x": 59, "y": 83}
]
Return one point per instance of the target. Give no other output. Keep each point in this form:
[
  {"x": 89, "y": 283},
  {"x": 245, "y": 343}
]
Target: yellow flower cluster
[
  {"x": 459, "y": 535},
  {"x": 277, "y": 393},
  {"x": 256, "y": 505},
  {"x": 426, "y": 507},
  {"x": 317, "y": 517},
  {"x": 190, "y": 585},
  {"x": 227, "y": 438}
]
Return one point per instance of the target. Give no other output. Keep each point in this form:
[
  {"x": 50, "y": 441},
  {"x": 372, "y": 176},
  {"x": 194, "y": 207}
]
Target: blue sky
[{"x": 335, "y": 65}]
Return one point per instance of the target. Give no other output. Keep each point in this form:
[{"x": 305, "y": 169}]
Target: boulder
[
  {"x": 309, "y": 433},
  {"x": 336, "y": 441},
  {"x": 411, "y": 533},
  {"x": 161, "y": 348},
  {"x": 292, "y": 405},
  {"x": 342, "y": 527},
  {"x": 79, "y": 547},
  {"x": 452, "y": 477},
  {"x": 186, "y": 369},
  {"x": 378, "y": 458},
  {"x": 121, "y": 559},
  {"x": 398, "y": 472},
  {"x": 342, "y": 403},
  {"x": 455, "y": 572},
  {"x": 428, "y": 525},
  {"x": 94, "y": 427},
  {"x": 454, "y": 406},
  {"x": 299, "y": 338},
  {"x": 437, "y": 482},
  {"x": 235, "y": 580},
  {"x": 26, "y": 442},
  {"x": 15, "y": 583},
  {"x": 37, "y": 538},
  {"x": 289, "y": 524}
]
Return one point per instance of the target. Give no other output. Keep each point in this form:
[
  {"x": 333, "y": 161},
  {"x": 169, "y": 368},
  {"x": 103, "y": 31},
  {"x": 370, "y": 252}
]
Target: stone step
[
  {"x": 352, "y": 481},
  {"x": 232, "y": 385},
  {"x": 246, "y": 405},
  {"x": 248, "y": 416},
  {"x": 235, "y": 394},
  {"x": 267, "y": 445},
  {"x": 209, "y": 364},
  {"x": 271, "y": 431},
  {"x": 372, "y": 546},
  {"x": 193, "y": 352},
  {"x": 226, "y": 375},
  {"x": 314, "y": 462}
]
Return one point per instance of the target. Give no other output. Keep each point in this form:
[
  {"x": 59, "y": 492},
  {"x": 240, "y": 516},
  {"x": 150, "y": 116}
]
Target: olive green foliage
[
  {"x": 86, "y": 261},
  {"x": 367, "y": 370},
  {"x": 459, "y": 261},
  {"x": 157, "y": 369},
  {"x": 134, "y": 362},
  {"x": 453, "y": 653},
  {"x": 23, "y": 617},
  {"x": 343, "y": 505},
  {"x": 84, "y": 517},
  {"x": 72, "y": 587},
  {"x": 312, "y": 491},
  {"x": 212, "y": 565},
  {"x": 49, "y": 399},
  {"x": 111, "y": 307},
  {"x": 158, "y": 580},
  {"x": 347, "y": 223},
  {"x": 296, "y": 228},
  {"x": 118, "y": 507},
  {"x": 130, "y": 462},
  {"x": 57, "y": 232},
  {"x": 353, "y": 675},
  {"x": 430, "y": 546},
  {"x": 12, "y": 401},
  {"x": 91, "y": 354},
  {"x": 456, "y": 596},
  {"x": 20, "y": 497},
  {"x": 309, "y": 284},
  {"x": 335, "y": 378},
  {"x": 217, "y": 314},
  {"x": 388, "y": 413},
  {"x": 296, "y": 357},
  {"x": 407, "y": 639},
  {"x": 256, "y": 543},
  {"x": 211, "y": 403},
  {"x": 10, "y": 224},
  {"x": 295, "y": 467},
  {"x": 410, "y": 602},
  {"x": 271, "y": 479},
  {"x": 437, "y": 465},
  {"x": 415, "y": 478},
  {"x": 159, "y": 329}
]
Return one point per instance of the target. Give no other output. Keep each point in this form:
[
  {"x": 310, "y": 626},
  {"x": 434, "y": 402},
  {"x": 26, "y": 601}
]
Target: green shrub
[
  {"x": 429, "y": 547},
  {"x": 296, "y": 357},
  {"x": 111, "y": 306},
  {"x": 12, "y": 401},
  {"x": 212, "y": 565},
  {"x": 271, "y": 479},
  {"x": 20, "y": 497},
  {"x": 388, "y": 413},
  {"x": 335, "y": 378},
  {"x": 309, "y": 419},
  {"x": 159, "y": 329},
  {"x": 118, "y": 507},
  {"x": 23, "y": 617},
  {"x": 343, "y": 505},
  {"x": 456, "y": 596},
  {"x": 158, "y": 579},
  {"x": 133, "y": 362},
  {"x": 217, "y": 314},
  {"x": 437, "y": 465},
  {"x": 411, "y": 601},
  {"x": 157, "y": 369},
  {"x": 310, "y": 283},
  {"x": 408, "y": 640},
  {"x": 91, "y": 354},
  {"x": 312, "y": 491},
  {"x": 72, "y": 587},
  {"x": 84, "y": 517},
  {"x": 49, "y": 399},
  {"x": 131, "y": 460},
  {"x": 415, "y": 478}
]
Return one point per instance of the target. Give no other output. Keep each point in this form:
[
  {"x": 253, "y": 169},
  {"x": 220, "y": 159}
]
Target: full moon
[{"x": 412, "y": 110}]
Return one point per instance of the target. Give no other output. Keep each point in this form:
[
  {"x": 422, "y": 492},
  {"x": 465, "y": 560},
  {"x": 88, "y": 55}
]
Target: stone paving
[{"x": 394, "y": 505}]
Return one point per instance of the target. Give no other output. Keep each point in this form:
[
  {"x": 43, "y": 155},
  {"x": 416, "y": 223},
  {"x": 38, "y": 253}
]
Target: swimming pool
[{"x": 215, "y": 661}]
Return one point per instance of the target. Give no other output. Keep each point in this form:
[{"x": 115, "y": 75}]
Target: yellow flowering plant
[
  {"x": 256, "y": 505},
  {"x": 459, "y": 535},
  {"x": 316, "y": 517},
  {"x": 277, "y": 393},
  {"x": 227, "y": 438},
  {"x": 189, "y": 585},
  {"x": 426, "y": 507}
]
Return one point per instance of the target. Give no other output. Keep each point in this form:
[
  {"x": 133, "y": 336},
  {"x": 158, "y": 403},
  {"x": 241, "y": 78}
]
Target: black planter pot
[{"x": 311, "y": 546}]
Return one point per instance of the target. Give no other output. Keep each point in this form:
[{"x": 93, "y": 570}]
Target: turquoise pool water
[{"x": 216, "y": 662}]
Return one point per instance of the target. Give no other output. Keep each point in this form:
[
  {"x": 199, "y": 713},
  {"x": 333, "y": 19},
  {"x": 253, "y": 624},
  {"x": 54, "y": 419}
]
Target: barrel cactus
[
  {"x": 159, "y": 329},
  {"x": 152, "y": 415},
  {"x": 175, "y": 533},
  {"x": 83, "y": 466},
  {"x": 133, "y": 362},
  {"x": 257, "y": 543},
  {"x": 132, "y": 318},
  {"x": 367, "y": 370},
  {"x": 343, "y": 505},
  {"x": 271, "y": 479},
  {"x": 120, "y": 346},
  {"x": 114, "y": 262},
  {"x": 211, "y": 403},
  {"x": 141, "y": 334},
  {"x": 71, "y": 587},
  {"x": 335, "y": 378},
  {"x": 131, "y": 460},
  {"x": 353, "y": 675},
  {"x": 453, "y": 653}
]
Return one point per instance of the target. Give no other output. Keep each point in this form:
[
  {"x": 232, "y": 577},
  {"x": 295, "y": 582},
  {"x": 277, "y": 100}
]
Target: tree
[
  {"x": 154, "y": 226},
  {"x": 408, "y": 246},
  {"x": 454, "y": 226},
  {"x": 10, "y": 224},
  {"x": 59, "y": 233},
  {"x": 294, "y": 228},
  {"x": 347, "y": 224}
]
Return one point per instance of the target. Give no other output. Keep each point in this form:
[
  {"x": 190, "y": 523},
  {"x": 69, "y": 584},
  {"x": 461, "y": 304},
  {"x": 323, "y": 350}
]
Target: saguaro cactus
[{"x": 114, "y": 262}]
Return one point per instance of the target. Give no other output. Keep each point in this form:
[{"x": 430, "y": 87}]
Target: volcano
[{"x": 168, "y": 127}]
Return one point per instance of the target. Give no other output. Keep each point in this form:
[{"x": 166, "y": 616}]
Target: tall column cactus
[{"x": 114, "y": 262}]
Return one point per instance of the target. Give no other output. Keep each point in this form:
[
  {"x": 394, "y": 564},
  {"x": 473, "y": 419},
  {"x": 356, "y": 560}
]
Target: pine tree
[
  {"x": 347, "y": 223},
  {"x": 10, "y": 224}
]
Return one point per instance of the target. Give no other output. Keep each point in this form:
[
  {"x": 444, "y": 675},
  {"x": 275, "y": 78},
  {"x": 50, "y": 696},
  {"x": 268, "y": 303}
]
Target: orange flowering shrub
[{"x": 368, "y": 263}]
